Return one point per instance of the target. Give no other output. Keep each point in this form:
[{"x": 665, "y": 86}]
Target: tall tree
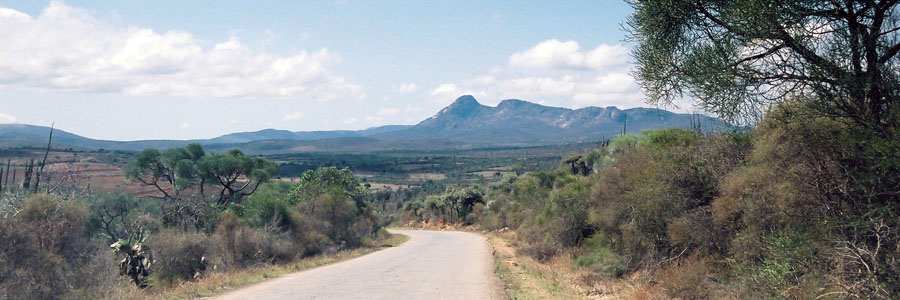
[{"x": 736, "y": 57}]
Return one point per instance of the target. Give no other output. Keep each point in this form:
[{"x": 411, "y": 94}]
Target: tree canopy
[
  {"x": 172, "y": 171},
  {"x": 737, "y": 57},
  {"x": 315, "y": 183}
]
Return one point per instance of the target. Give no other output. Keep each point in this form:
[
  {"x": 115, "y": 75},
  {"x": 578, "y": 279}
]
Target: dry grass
[
  {"x": 386, "y": 186},
  {"x": 219, "y": 282},
  {"x": 526, "y": 278},
  {"x": 493, "y": 173},
  {"x": 426, "y": 176}
]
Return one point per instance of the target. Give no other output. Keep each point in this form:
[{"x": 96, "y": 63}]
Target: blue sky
[{"x": 128, "y": 70}]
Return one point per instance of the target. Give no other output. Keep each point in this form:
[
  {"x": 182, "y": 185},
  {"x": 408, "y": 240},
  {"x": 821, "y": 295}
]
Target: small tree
[
  {"x": 170, "y": 171},
  {"x": 238, "y": 175}
]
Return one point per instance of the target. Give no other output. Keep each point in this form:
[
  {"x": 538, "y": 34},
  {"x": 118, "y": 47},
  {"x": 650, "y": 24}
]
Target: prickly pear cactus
[{"x": 135, "y": 263}]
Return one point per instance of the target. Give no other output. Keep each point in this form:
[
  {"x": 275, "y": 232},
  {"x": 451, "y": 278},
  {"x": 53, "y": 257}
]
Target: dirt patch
[
  {"x": 426, "y": 176},
  {"x": 304, "y": 148},
  {"x": 385, "y": 186},
  {"x": 492, "y": 174}
]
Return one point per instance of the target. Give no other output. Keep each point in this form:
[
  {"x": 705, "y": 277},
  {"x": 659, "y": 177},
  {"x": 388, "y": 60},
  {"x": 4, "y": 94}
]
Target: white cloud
[
  {"x": 447, "y": 92},
  {"x": 185, "y": 125},
  {"x": 556, "y": 54},
  {"x": 555, "y": 73},
  {"x": 446, "y": 89},
  {"x": 388, "y": 111},
  {"x": 4, "y": 118},
  {"x": 548, "y": 54},
  {"x": 350, "y": 120},
  {"x": 406, "y": 88},
  {"x": 232, "y": 121},
  {"x": 606, "y": 56},
  {"x": 297, "y": 115},
  {"x": 65, "y": 48},
  {"x": 539, "y": 86}
]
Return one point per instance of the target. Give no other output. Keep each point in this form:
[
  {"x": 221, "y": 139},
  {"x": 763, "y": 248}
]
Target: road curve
[{"x": 430, "y": 265}]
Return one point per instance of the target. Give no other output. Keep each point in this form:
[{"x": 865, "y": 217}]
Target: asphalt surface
[{"x": 430, "y": 265}]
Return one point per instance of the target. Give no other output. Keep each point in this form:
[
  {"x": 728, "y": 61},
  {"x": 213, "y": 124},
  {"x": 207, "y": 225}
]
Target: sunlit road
[{"x": 430, "y": 265}]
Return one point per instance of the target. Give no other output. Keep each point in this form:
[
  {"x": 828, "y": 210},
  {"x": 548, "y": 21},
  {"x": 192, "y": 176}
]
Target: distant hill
[
  {"x": 23, "y": 135},
  {"x": 517, "y": 121},
  {"x": 274, "y": 134},
  {"x": 464, "y": 124}
]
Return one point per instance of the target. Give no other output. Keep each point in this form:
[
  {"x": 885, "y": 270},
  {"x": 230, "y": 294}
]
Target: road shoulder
[{"x": 220, "y": 283}]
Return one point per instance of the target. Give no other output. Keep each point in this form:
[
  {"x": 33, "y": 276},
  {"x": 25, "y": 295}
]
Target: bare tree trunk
[
  {"x": 29, "y": 169},
  {"x": 8, "y": 162},
  {"x": 44, "y": 162}
]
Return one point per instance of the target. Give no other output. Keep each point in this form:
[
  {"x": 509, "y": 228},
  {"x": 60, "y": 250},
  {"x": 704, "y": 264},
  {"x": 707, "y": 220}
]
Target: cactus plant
[{"x": 136, "y": 263}]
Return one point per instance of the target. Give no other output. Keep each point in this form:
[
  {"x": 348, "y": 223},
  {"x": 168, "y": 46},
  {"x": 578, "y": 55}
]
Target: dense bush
[
  {"x": 47, "y": 253},
  {"x": 797, "y": 208},
  {"x": 240, "y": 246},
  {"x": 565, "y": 216},
  {"x": 454, "y": 205},
  {"x": 800, "y": 207},
  {"x": 178, "y": 255},
  {"x": 102, "y": 243},
  {"x": 601, "y": 257}
]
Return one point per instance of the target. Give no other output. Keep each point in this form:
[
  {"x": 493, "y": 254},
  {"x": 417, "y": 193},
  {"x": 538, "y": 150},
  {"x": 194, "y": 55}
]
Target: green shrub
[
  {"x": 565, "y": 216},
  {"x": 269, "y": 205},
  {"x": 601, "y": 257}
]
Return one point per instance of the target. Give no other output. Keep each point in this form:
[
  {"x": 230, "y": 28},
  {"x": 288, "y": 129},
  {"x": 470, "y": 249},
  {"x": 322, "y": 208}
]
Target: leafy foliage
[
  {"x": 174, "y": 170},
  {"x": 737, "y": 57}
]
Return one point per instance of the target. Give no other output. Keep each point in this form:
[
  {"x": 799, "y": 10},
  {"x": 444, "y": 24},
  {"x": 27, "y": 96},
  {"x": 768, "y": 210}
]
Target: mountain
[
  {"x": 464, "y": 124},
  {"x": 517, "y": 121},
  {"x": 274, "y": 134},
  {"x": 17, "y": 135}
]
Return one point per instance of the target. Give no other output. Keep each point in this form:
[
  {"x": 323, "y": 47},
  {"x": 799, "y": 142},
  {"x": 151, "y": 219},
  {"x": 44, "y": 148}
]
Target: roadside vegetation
[
  {"x": 782, "y": 211},
  {"x": 216, "y": 216},
  {"x": 801, "y": 202},
  {"x": 802, "y": 205}
]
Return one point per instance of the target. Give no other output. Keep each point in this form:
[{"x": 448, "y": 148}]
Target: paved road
[{"x": 430, "y": 265}]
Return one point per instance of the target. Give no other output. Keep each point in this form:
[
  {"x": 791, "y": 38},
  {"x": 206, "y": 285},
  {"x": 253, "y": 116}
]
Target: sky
[{"x": 166, "y": 69}]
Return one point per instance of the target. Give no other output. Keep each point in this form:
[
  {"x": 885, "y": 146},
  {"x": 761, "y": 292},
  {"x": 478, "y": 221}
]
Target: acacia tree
[
  {"x": 737, "y": 57},
  {"x": 237, "y": 175},
  {"x": 170, "y": 171},
  {"x": 174, "y": 170}
]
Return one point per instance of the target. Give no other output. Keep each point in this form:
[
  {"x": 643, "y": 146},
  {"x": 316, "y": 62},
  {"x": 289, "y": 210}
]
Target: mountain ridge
[
  {"x": 518, "y": 121},
  {"x": 463, "y": 123}
]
